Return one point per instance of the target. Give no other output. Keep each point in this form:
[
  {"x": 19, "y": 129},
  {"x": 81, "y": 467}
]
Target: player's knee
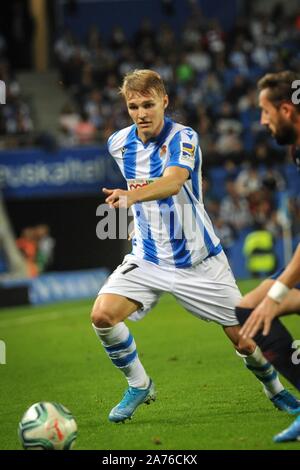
[
  {"x": 245, "y": 346},
  {"x": 103, "y": 316}
]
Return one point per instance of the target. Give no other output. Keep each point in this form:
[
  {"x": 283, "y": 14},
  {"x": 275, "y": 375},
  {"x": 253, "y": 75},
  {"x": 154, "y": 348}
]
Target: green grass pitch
[{"x": 206, "y": 397}]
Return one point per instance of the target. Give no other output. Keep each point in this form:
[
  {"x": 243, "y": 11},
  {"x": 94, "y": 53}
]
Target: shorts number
[{"x": 129, "y": 268}]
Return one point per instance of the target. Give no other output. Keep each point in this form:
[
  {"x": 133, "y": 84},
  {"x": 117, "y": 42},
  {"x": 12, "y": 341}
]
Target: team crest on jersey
[
  {"x": 163, "y": 151},
  {"x": 187, "y": 150}
]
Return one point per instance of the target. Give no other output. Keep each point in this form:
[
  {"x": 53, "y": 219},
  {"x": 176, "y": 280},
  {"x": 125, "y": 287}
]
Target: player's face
[
  {"x": 147, "y": 112},
  {"x": 278, "y": 120}
]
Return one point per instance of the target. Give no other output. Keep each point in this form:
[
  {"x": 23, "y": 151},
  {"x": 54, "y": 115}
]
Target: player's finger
[
  {"x": 267, "y": 326},
  {"x": 114, "y": 204},
  {"x": 244, "y": 328},
  {"x": 247, "y": 328},
  {"x": 131, "y": 235},
  {"x": 253, "y": 331},
  {"x": 255, "y": 327},
  {"x": 107, "y": 191},
  {"x": 110, "y": 202}
]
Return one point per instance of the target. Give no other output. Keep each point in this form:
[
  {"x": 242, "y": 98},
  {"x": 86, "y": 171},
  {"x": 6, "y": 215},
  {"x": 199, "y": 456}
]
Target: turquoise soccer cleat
[
  {"x": 132, "y": 399},
  {"x": 292, "y": 433},
  {"x": 285, "y": 401}
]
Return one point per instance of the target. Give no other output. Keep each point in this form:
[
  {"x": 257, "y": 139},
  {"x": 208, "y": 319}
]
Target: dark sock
[{"x": 276, "y": 347}]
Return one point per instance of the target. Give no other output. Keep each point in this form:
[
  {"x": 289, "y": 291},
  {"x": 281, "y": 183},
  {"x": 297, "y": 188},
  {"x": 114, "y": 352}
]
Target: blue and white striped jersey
[{"x": 175, "y": 231}]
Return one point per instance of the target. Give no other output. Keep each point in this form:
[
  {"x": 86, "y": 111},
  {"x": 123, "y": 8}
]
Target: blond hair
[{"x": 142, "y": 81}]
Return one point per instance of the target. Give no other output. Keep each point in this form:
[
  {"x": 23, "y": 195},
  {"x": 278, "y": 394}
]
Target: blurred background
[{"x": 62, "y": 63}]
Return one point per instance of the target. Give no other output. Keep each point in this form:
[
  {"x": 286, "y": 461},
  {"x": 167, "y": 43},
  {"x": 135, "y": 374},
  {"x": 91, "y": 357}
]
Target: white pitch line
[{"x": 39, "y": 317}]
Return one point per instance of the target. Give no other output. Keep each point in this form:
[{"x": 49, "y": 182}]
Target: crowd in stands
[
  {"x": 252, "y": 199},
  {"x": 210, "y": 76},
  {"x": 211, "y": 79},
  {"x": 16, "y": 120}
]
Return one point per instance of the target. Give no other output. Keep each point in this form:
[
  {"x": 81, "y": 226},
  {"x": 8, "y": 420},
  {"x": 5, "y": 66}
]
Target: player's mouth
[
  {"x": 269, "y": 130},
  {"x": 144, "y": 124}
]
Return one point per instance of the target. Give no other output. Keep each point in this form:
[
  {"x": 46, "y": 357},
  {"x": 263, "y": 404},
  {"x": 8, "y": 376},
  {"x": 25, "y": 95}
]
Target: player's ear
[
  {"x": 287, "y": 109},
  {"x": 166, "y": 101}
]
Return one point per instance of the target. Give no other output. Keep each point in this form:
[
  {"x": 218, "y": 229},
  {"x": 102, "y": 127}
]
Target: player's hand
[
  {"x": 131, "y": 235},
  {"x": 260, "y": 318},
  {"x": 118, "y": 198}
]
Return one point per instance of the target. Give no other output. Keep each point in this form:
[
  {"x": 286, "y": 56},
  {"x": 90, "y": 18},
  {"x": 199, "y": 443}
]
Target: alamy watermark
[
  {"x": 2, "y": 92},
  {"x": 296, "y": 93},
  {"x": 2, "y": 352},
  {"x": 169, "y": 222},
  {"x": 296, "y": 354}
]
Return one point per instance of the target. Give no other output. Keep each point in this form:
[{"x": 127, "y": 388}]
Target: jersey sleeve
[
  {"x": 111, "y": 143},
  {"x": 184, "y": 149}
]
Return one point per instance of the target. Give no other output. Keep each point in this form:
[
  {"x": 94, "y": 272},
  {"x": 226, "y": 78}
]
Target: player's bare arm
[
  {"x": 291, "y": 274},
  {"x": 269, "y": 308},
  {"x": 168, "y": 185}
]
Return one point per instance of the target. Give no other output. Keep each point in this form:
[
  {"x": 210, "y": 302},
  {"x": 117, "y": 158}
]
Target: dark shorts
[{"x": 277, "y": 274}]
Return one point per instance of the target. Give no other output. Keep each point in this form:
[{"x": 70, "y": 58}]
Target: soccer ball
[{"x": 47, "y": 426}]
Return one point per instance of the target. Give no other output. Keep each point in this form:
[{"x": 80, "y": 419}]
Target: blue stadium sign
[{"x": 36, "y": 173}]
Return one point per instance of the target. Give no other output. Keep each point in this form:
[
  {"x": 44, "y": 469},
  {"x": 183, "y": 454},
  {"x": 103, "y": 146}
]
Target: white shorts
[{"x": 207, "y": 290}]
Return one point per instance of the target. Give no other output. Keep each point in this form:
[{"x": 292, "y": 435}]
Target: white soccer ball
[{"x": 47, "y": 426}]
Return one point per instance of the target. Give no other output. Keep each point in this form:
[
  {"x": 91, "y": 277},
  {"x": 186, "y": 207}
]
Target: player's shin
[
  {"x": 276, "y": 347},
  {"x": 121, "y": 349},
  {"x": 263, "y": 371}
]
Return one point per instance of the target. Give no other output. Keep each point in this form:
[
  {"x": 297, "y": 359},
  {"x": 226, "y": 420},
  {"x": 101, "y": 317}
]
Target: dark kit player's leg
[{"x": 277, "y": 345}]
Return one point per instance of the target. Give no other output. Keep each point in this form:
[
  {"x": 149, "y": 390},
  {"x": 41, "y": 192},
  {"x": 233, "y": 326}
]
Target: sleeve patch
[{"x": 187, "y": 150}]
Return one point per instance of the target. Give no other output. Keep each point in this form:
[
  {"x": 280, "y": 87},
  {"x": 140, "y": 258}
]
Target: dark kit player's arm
[
  {"x": 263, "y": 315},
  {"x": 291, "y": 275}
]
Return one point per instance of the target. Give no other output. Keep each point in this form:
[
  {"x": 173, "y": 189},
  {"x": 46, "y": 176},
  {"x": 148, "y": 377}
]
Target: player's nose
[
  {"x": 264, "y": 121},
  {"x": 142, "y": 113}
]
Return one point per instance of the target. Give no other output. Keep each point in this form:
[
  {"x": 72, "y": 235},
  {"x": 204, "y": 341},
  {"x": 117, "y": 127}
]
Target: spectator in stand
[
  {"x": 45, "y": 247},
  {"x": 68, "y": 121},
  {"x": 234, "y": 209},
  {"x": 211, "y": 201},
  {"x": 28, "y": 246},
  {"x": 226, "y": 233},
  {"x": 85, "y": 131},
  {"x": 248, "y": 181}
]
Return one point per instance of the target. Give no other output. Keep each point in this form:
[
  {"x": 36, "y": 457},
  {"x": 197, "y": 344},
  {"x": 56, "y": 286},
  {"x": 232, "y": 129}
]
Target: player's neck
[{"x": 146, "y": 137}]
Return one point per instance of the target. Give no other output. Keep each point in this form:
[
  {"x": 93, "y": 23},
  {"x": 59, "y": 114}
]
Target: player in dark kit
[{"x": 259, "y": 310}]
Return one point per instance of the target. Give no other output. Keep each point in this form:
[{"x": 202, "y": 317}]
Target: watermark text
[
  {"x": 296, "y": 354},
  {"x": 2, "y": 92},
  {"x": 2, "y": 352},
  {"x": 296, "y": 93}
]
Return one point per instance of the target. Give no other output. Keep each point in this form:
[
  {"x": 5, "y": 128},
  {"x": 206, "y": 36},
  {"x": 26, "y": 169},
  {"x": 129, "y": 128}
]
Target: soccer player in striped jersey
[
  {"x": 174, "y": 248},
  {"x": 259, "y": 310}
]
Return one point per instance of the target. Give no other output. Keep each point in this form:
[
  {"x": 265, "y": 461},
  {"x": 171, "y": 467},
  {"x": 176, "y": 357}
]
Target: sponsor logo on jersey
[{"x": 139, "y": 183}]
